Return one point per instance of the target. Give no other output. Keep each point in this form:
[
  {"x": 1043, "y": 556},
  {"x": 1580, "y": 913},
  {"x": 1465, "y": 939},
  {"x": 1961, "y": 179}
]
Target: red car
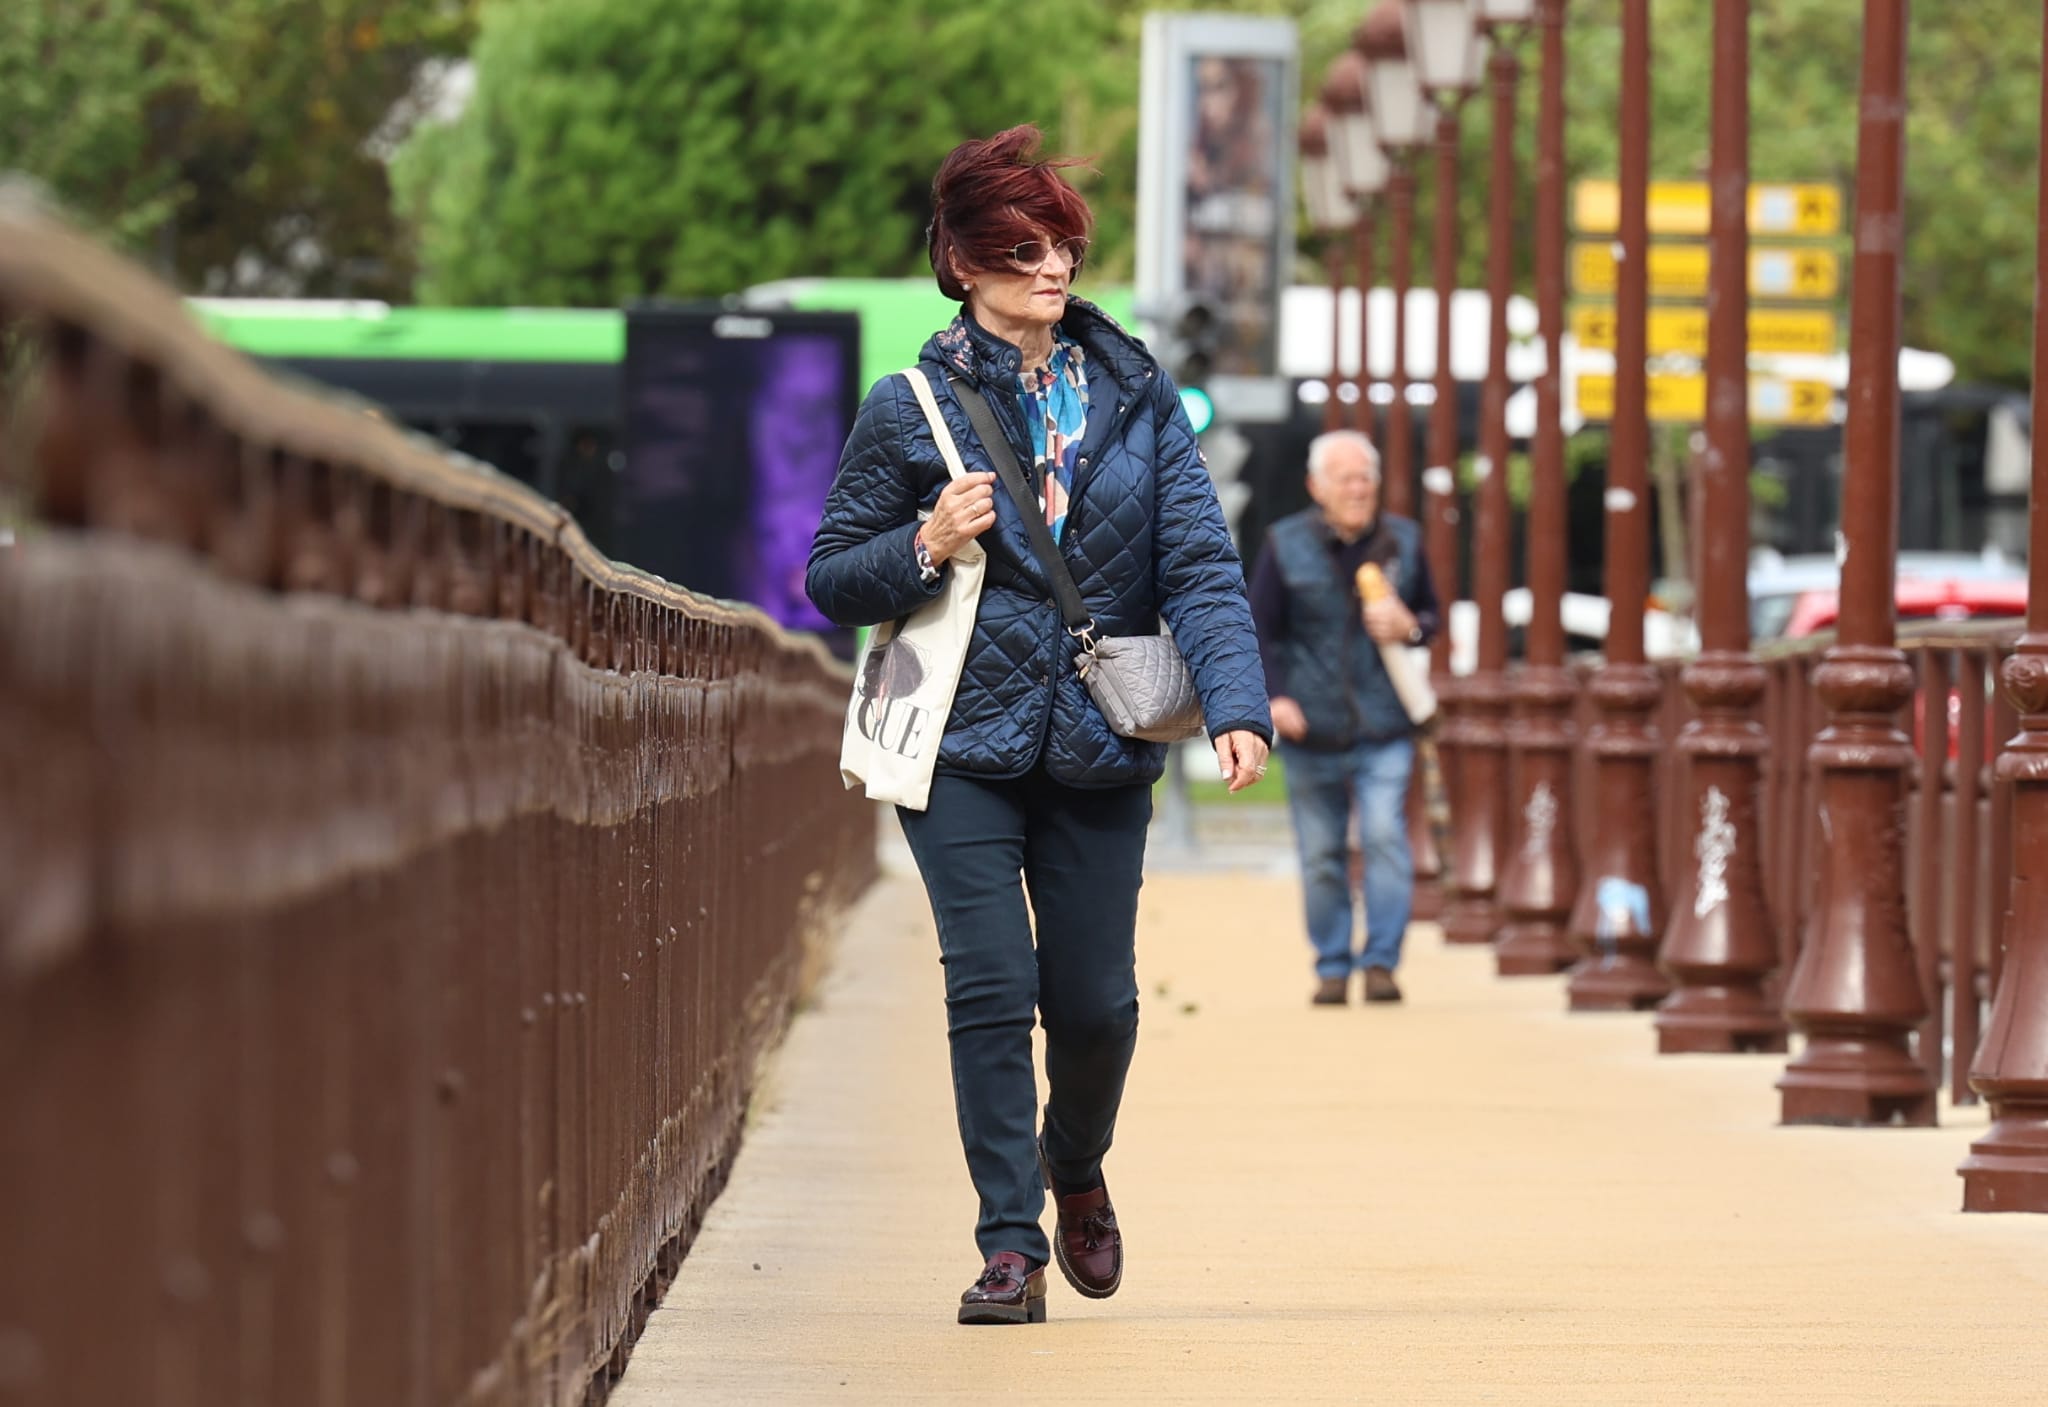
[
  {"x": 1918, "y": 599},
  {"x": 1925, "y": 600}
]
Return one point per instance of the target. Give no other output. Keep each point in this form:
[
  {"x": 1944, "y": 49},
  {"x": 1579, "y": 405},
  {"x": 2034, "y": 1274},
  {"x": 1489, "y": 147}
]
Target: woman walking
[{"x": 1033, "y": 790}]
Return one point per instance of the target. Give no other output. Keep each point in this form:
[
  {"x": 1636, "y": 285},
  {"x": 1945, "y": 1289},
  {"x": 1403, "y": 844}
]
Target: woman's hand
[
  {"x": 966, "y": 509},
  {"x": 1242, "y": 756}
]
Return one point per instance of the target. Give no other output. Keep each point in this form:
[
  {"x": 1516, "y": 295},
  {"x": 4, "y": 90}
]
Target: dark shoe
[
  {"x": 1380, "y": 985},
  {"x": 1087, "y": 1244},
  {"x": 1331, "y": 991},
  {"x": 1010, "y": 1291}
]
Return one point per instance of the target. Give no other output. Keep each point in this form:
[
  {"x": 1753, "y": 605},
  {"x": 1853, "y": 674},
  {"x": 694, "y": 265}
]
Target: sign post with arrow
[
  {"x": 1679, "y": 271},
  {"x": 1799, "y": 265}
]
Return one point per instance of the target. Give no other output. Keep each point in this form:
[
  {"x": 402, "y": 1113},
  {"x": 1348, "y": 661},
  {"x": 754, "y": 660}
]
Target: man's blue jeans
[{"x": 1322, "y": 788}]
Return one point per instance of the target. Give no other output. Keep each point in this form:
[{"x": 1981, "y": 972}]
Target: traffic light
[
  {"x": 1191, "y": 357},
  {"x": 1194, "y": 341}
]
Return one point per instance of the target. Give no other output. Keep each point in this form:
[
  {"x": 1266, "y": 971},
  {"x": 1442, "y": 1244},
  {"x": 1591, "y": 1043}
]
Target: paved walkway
[{"x": 1470, "y": 1198}]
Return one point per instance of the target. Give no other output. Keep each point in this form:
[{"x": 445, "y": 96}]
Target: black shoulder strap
[{"x": 1004, "y": 455}]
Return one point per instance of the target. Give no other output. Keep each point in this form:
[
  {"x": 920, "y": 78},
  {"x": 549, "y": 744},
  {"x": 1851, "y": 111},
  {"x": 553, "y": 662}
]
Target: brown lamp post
[
  {"x": 1478, "y": 852},
  {"x": 1855, "y": 993},
  {"x": 1361, "y": 165},
  {"x": 1405, "y": 124},
  {"x": 1620, "y": 909},
  {"x": 1720, "y": 945},
  {"x": 1542, "y": 875},
  {"x": 1330, "y": 212},
  {"x": 2007, "y": 1170},
  {"x": 1449, "y": 54}
]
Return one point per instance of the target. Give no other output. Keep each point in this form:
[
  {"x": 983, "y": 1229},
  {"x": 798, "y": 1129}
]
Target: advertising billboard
[
  {"x": 1216, "y": 181},
  {"x": 732, "y": 424}
]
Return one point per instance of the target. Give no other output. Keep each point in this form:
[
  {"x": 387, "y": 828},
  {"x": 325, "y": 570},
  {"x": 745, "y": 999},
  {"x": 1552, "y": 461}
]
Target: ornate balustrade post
[
  {"x": 2007, "y": 1170},
  {"x": 1719, "y": 947},
  {"x": 1855, "y": 992},
  {"x": 1620, "y": 908},
  {"x": 1542, "y": 875}
]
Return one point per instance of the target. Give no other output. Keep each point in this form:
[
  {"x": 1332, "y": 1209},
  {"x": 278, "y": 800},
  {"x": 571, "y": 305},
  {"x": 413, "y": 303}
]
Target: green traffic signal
[{"x": 1201, "y": 411}]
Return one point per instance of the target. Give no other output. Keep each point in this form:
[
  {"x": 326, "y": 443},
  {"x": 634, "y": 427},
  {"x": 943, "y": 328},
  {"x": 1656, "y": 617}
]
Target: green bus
[{"x": 537, "y": 391}]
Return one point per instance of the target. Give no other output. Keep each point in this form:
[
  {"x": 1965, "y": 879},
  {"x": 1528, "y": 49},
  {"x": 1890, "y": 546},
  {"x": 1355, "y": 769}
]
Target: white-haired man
[{"x": 1342, "y": 730}]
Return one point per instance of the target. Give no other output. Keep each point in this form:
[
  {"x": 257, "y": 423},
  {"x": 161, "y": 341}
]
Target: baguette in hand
[
  {"x": 1372, "y": 583},
  {"x": 1411, "y": 685}
]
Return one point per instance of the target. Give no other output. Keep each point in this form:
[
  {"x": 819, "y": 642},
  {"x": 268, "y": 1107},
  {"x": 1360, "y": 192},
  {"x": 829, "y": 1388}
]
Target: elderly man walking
[{"x": 1344, "y": 733}]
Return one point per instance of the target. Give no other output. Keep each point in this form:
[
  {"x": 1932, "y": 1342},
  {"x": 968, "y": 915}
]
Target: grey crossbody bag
[{"x": 1139, "y": 682}]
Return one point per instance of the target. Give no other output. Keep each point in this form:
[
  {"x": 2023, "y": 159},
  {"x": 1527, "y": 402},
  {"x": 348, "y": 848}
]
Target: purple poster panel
[{"x": 733, "y": 425}]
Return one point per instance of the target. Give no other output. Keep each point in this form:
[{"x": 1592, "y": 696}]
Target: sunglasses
[{"x": 1030, "y": 256}]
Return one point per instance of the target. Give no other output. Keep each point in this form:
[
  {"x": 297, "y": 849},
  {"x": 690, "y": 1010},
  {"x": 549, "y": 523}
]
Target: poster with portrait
[
  {"x": 1216, "y": 172},
  {"x": 733, "y": 423},
  {"x": 1231, "y": 210}
]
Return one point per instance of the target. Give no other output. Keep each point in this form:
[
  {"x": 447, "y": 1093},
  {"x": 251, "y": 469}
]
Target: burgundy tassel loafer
[
  {"x": 1087, "y": 1244},
  {"x": 1010, "y": 1291}
]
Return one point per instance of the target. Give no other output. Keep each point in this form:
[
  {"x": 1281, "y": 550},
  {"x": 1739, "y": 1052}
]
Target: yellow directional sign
[
  {"x": 1681, "y": 208},
  {"x": 1680, "y": 271},
  {"x": 1682, "y": 332},
  {"x": 1795, "y": 210},
  {"x": 1794, "y": 273},
  {"x": 1681, "y": 399}
]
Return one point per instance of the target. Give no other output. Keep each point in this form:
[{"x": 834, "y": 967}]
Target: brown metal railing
[
  {"x": 395, "y": 895},
  {"x": 1959, "y": 817}
]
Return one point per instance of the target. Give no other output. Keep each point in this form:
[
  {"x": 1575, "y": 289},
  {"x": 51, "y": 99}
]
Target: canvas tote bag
[{"x": 903, "y": 687}]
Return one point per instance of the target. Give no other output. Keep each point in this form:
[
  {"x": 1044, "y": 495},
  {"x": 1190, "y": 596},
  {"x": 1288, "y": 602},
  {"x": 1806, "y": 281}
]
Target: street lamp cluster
[{"x": 1514, "y": 878}]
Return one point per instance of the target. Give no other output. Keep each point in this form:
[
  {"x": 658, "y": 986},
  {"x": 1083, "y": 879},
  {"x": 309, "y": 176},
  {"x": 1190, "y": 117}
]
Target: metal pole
[
  {"x": 1855, "y": 992},
  {"x": 1620, "y": 908},
  {"x": 1542, "y": 875},
  {"x": 2007, "y": 1170},
  {"x": 1399, "y": 450},
  {"x": 1398, "y": 477},
  {"x": 1720, "y": 947},
  {"x": 1333, "y": 262},
  {"x": 1481, "y": 804},
  {"x": 1363, "y": 233},
  {"x": 1439, "y": 478}
]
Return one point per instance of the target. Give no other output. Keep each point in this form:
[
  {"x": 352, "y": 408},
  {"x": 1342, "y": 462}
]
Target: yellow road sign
[
  {"x": 1681, "y": 208},
  {"x": 1681, "y": 399},
  {"x": 1680, "y": 271},
  {"x": 1682, "y": 332},
  {"x": 1794, "y": 273}
]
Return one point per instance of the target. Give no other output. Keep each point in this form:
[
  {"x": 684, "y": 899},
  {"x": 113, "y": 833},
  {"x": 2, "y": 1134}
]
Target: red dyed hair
[{"x": 992, "y": 195}]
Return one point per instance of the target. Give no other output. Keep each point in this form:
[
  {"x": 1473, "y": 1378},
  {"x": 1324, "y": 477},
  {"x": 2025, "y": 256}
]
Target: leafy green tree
[
  {"x": 1973, "y": 88},
  {"x": 618, "y": 150},
  {"x": 236, "y": 143}
]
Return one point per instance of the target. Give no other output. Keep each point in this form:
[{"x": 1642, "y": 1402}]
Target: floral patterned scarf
[{"x": 1055, "y": 404}]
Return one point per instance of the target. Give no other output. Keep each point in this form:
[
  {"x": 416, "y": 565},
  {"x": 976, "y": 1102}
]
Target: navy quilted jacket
[{"x": 1144, "y": 539}]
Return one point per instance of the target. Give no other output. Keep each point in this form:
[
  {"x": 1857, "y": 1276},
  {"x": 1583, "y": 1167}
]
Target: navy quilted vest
[{"x": 1333, "y": 666}]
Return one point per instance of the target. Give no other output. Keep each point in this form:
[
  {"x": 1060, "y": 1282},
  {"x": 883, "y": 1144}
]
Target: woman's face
[{"x": 1017, "y": 293}]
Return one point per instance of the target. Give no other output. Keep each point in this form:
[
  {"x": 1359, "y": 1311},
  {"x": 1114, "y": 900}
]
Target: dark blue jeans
[
  {"x": 1323, "y": 789},
  {"x": 1081, "y": 856}
]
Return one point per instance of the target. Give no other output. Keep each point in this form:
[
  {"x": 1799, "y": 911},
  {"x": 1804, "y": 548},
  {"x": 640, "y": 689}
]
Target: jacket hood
[{"x": 968, "y": 348}]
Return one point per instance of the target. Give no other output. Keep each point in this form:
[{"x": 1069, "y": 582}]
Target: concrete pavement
[{"x": 1469, "y": 1198}]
